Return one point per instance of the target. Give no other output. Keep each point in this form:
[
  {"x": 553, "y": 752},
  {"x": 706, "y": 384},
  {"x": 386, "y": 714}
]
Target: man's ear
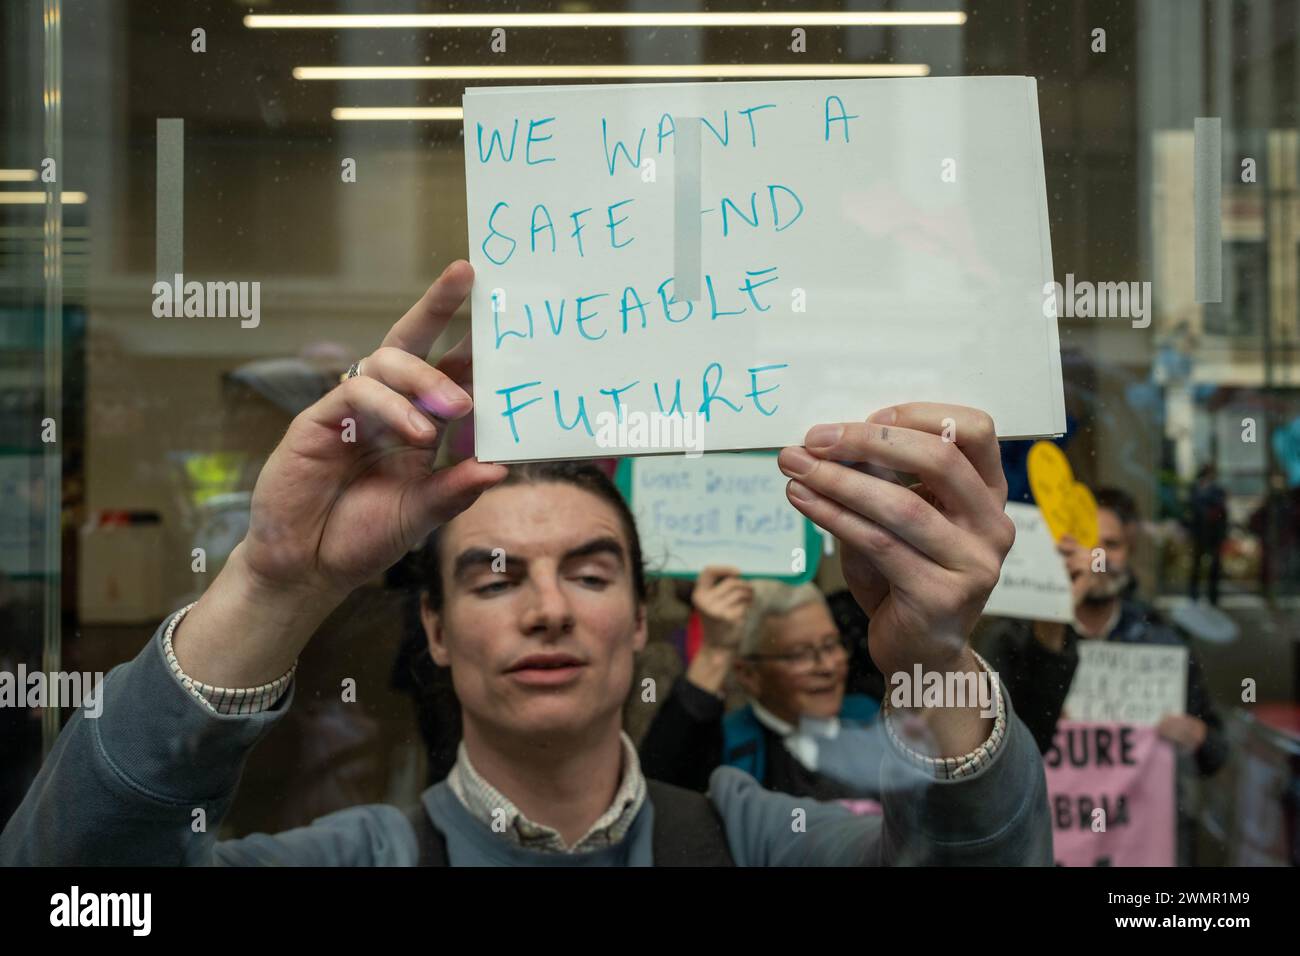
[{"x": 433, "y": 633}]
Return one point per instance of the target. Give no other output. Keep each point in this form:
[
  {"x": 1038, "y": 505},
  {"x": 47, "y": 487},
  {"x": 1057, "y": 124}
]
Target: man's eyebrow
[
  {"x": 601, "y": 545},
  {"x": 472, "y": 557}
]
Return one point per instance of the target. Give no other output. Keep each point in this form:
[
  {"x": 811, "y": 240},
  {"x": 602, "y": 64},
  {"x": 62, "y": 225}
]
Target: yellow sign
[{"x": 1067, "y": 505}]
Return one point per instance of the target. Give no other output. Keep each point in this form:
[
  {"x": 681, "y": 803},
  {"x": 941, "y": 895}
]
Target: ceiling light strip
[
  {"x": 397, "y": 113},
  {"x": 435, "y": 21},
  {"x": 610, "y": 71}
]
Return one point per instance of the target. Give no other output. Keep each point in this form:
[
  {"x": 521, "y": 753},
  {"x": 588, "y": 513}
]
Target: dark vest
[{"x": 687, "y": 830}]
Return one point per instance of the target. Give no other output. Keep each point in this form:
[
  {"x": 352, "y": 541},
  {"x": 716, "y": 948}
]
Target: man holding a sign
[
  {"x": 1106, "y": 695},
  {"x": 541, "y": 653},
  {"x": 1036, "y": 659}
]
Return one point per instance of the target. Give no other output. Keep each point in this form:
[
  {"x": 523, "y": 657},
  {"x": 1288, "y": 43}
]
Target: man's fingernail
[
  {"x": 886, "y": 416},
  {"x": 799, "y": 491},
  {"x": 823, "y": 436},
  {"x": 795, "y": 461},
  {"x": 454, "y": 396},
  {"x": 420, "y": 423}
]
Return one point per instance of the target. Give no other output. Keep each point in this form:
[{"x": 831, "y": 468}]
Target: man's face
[
  {"x": 789, "y": 688},
  {"x": 543, "y": 645}
]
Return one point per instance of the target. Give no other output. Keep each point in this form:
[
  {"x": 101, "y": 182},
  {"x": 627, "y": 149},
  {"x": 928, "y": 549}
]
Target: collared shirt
[
  {"x": 800, "y": 741},
  {"x": 491, "y": 807}
]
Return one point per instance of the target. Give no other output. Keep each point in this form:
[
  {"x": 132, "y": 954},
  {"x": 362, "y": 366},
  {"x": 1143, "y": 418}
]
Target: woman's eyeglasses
[{"x": 805, "y": 658}]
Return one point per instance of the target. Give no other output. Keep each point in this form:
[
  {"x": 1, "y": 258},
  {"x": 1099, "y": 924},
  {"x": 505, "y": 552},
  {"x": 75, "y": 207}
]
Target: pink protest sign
[{"x": 1111, "y": 792}]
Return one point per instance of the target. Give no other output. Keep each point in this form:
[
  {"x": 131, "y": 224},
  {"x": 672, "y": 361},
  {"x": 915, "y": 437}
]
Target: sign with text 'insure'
[
  {"x": 721, "y": 266},
  {"x": 1111, "y": 790}
]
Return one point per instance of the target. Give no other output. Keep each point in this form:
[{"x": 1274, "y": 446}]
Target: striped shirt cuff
[
  {"x": 223, "y": 700},
  {"x": 951, "y": 768}
]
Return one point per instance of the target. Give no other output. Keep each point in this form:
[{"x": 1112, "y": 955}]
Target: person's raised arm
[
  {"x": 684, "y": 742},
  {"x": 721, "y": 598},
  {"x": 349, "y": 489},
  {"x": 347, "y": 492}
]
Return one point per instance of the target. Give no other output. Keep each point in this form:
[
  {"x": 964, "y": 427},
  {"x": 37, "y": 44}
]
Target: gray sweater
[{"x": 124, "y": 788}]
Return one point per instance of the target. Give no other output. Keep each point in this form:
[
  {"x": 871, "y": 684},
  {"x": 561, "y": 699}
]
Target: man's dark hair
[
  {"x": 1120, "y": 502},
  {"x": 578, "y": 474}
]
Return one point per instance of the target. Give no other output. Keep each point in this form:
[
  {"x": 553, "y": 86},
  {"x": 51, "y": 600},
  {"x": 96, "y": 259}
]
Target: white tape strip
[{"x": 686, "y": 207}]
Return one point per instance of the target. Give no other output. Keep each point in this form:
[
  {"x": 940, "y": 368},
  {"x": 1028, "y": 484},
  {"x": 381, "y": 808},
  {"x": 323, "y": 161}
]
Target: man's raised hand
[
  {"x": 348, "y": 491},
  {"x": 920, "y": 560},
  {"x": 351, "y": 486}
]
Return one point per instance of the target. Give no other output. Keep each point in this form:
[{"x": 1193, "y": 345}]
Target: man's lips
[
  {"x": 546, "y": 670},
  {"x": 545, "y": 662}
]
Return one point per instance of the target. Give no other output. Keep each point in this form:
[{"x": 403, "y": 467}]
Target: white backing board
[{"x": 885, "y": 241}]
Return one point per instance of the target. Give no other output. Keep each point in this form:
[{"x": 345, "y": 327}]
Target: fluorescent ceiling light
[
  {"x": 35, "y": 199},
  {"x": 434, "y": 21},
  {"x": 397, "y": 113},
  {"x": 17, "y": 175},
  {"x": 608, "y": 71}
]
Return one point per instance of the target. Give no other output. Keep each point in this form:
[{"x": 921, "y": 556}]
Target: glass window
[{"x": 151, "y": 142}]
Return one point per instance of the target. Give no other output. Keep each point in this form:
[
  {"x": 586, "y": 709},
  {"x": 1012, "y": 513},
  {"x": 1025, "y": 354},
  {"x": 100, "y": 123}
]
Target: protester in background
[
  {"x": 800, "y": 733},
  {"x": 1276, "y": 525},
  {"x": 1207, "y": 520},
  {"x": 1036, "y": 660},
  {"x": 864, "y": 676}
]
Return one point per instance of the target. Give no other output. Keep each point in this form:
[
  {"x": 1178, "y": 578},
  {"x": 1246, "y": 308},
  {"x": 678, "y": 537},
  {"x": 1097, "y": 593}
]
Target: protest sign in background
[
  {"x": 720, "y": 509},
  {"x": 1127, "y": 683},
  {"x": 1111, "y": 791},
  {"x": 1034, "y": 583}
]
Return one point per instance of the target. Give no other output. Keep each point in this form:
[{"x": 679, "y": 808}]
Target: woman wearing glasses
[{"x": 799, "y": 732}]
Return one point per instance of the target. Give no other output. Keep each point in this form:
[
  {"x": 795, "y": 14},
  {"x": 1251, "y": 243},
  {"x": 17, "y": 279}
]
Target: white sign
[
  {"x": 1034, "y": 582},
  {"x": 719, "y": 509},
  {"x": 761, "y": 256},
  {"x": 1127, "y": 683}
]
